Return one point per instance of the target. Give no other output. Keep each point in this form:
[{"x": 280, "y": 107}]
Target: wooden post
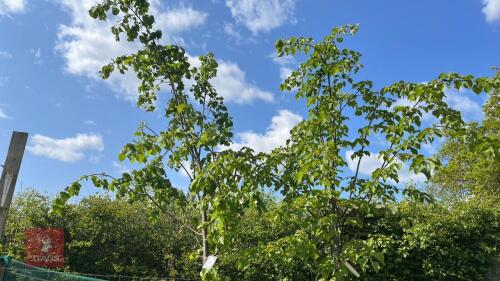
[{"x": 9, "y": 174}]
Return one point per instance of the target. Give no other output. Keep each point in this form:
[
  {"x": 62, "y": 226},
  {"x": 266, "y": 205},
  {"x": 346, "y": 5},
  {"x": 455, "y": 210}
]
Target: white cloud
[
  {"x": 261, "y": 15},
  {"x": 285, "y": 72},
  {"x": 368, "y": 163},
  {"x": 87, "y": 44},
  {"x": 5, "y": 55},
  {"x": 433, "y": 147},
  {"x": 405, "y": 175},
  {"x": 426, "y": 116},
  {"x": 12, "y": 7},
  {"x": 3, "y": 115},
  {"x": 185, "y": 170},
  {"x": 180, "y": 19},
  {"x": 461, "y": 101},
  {"x": 232, "y": 85},
  {"x": 276, "y": 135},
  {"x": 372, "y": 162},
  {"x": 89, "y": 122},
  {"x": 491, "y": 10},
  {"x": 69, "y": 149},
  {"x": 284, "y": 62}
]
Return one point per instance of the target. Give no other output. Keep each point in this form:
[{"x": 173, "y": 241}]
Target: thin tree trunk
[{"x": 204, "y": 233}]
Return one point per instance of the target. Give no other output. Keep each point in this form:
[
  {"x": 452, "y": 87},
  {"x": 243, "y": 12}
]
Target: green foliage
[
  {"x": 407, "y": 240},
  {"x": 222, "y": 183},
  {"x": 472, "y": 172},
  {"x": 30, "y": 209},
  {"x": 116, "y": 236},
  {"x": 432, "y": 242},
  {"x": 328, "y": 213},
  {"x": 108, "y": 237},
  {"x": 311, "y": 171}
]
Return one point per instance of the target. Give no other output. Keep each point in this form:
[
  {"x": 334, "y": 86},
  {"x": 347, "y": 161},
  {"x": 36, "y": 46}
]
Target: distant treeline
[{"x": 106, "y": 236}]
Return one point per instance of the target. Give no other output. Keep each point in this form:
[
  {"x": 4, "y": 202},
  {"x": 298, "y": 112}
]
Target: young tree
[
  {"x": 345, "y": 114},
  {"x": 222, "y": 182}
]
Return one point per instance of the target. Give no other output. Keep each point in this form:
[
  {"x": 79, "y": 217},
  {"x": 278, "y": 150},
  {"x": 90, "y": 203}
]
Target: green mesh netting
[{"x": 18, "y": 271}]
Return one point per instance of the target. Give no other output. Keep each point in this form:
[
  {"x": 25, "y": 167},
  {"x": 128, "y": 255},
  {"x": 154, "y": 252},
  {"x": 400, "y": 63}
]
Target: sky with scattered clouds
[{"x": 51, "y": 52}]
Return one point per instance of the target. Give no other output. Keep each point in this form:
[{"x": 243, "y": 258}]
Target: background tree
[
  {"x": 115, "y": 237},
  {"x": 29, "y": 209},
  {"x": 434, "y": 242},
  {"x": 104, "y": 236},
  {"x": 470, "y": 172}
]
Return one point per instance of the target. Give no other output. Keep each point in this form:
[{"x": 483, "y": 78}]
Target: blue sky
[{"x": 51, "y": 52}]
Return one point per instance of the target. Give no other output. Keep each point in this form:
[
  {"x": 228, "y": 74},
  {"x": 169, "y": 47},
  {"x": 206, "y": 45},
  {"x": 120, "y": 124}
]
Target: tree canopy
[
  {"x": 470, "y": 173},
  {"x": 330, "y": 211}
]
